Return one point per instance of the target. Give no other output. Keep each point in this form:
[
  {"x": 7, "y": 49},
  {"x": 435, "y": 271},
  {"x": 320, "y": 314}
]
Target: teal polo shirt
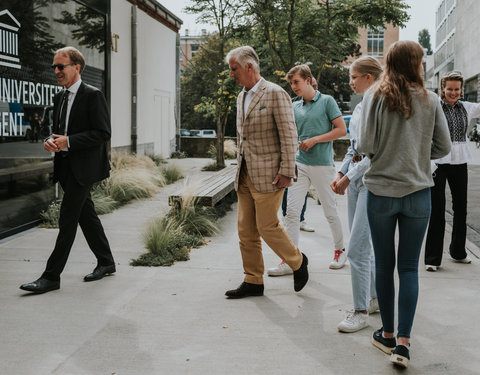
[{"x": 312, "y": 119}]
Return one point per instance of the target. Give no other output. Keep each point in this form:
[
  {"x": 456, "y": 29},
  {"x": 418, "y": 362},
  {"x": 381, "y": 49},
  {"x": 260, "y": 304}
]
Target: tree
[
  {"x": 202, "y": 88},
  {"x": 223, "y": 14},
  {"x": 321, "y": 32},
  {"x": 424, "y": 40}
]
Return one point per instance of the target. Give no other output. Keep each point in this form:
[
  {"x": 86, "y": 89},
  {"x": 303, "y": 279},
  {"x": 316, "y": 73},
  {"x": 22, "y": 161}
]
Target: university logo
[{"x": 9, "y": 27}]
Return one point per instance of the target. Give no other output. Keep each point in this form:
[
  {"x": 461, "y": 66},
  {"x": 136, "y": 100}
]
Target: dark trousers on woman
[
  {"x": 457, "y": 177},
  {"x": 77, "y": 208}
]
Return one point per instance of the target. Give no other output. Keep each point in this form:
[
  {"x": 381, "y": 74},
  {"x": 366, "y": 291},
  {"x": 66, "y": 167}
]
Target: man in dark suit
[{"x": 81, "y": 130}]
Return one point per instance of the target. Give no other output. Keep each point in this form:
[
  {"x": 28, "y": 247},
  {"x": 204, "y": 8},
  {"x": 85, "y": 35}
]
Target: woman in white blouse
[{"x": 452, "y": 169}]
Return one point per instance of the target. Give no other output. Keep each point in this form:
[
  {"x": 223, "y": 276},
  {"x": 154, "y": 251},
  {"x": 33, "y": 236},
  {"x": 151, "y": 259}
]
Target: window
[
  {"x": 194, "y": 49},
  {"x": 375, "y": 41}
]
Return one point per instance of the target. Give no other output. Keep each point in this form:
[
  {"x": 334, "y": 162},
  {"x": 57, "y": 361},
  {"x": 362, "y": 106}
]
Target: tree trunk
[{"x": 220, "y": 145}]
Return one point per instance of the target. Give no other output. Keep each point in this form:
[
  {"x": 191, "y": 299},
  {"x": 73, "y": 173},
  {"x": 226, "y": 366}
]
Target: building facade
[
  {"x": 376, "y": 42},
  {"x": 445, "y": 25},
  {"x": 467, "y": 53},
  {"x": 131, "y": 49},
  {"x": 190, "y": 45}
]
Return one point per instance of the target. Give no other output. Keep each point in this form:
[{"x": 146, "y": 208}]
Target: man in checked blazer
[
  {"x": 267, "y": 143},
  {"x": 81, "y": 130}
]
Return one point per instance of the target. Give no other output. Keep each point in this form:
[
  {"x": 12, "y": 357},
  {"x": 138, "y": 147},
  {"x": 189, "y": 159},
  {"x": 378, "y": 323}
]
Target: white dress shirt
[
  {"x": 71, "y": 97},
  {"x": 248, "y": 95}
]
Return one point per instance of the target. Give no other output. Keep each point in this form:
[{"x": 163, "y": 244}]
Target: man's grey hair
[{"x": 244, "y": 55}]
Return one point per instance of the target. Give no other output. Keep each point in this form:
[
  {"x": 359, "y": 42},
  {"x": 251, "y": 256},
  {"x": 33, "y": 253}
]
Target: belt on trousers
[{"x": 357, "y": 158}]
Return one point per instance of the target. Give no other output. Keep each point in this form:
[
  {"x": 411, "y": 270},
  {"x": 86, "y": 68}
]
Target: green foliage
[
  {"x": 225, "y": 204},
  {"x": 172, "y": 173},
  {"x": 229, "y": 149},
  {"x": 201, "y": 88},
  {"x": 129, "y": 184},
  {"x": 90, "y": 27},
  {"x": 424, "y": 40},
  {"x": 104, "y": 204},
  {"x": 169, "y": 239},
  {"x": 324, "y": 33},
  {"x": 167, "y": 242},
  {"x": 133, "y": 178},
  {"x": 179, "y": 155},
  {"x": 193, "y": 218},
  {"x": 51, "y": 215},
  {"x": 212, "y": 167},
  {"x": 158, "y": 160}
]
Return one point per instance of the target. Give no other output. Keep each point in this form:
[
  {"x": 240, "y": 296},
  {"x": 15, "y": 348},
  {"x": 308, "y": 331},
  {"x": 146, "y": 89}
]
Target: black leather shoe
[
  {"x": 99, "y": 272},
  {"x": 300, "y": 276},
  {"x": 41, "y": 286},
  {"x": 245, "y": 290}
]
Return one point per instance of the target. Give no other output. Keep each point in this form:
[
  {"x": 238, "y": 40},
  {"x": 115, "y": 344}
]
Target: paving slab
[{"x": 175, "y": 320}]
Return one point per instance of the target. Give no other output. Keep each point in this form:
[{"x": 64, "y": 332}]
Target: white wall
[
  {"x": 156, "y": 66},
  {"x": 121, "y": 74},
  {"x": 467, "y": 53},
  {"x": 156, "y": 83}
]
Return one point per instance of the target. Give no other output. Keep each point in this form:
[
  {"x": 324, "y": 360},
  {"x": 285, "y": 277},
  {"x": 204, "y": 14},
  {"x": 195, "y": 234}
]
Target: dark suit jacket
[{"x": 88, "y": 132}]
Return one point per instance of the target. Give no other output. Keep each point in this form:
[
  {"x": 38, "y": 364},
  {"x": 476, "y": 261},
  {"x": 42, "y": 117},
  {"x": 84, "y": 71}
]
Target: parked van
[{"x": 206, "y": 133}]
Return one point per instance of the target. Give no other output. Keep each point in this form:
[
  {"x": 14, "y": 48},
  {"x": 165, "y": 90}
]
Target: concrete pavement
[{"x": 175, "y": 320}]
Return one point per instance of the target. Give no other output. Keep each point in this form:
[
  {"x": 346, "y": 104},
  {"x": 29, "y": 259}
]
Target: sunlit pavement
[{"x": 175, "y": 320}]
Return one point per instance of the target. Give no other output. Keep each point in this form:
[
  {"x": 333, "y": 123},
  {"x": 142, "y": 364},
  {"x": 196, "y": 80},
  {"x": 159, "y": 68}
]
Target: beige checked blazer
[{"x": 267, "y": 138}]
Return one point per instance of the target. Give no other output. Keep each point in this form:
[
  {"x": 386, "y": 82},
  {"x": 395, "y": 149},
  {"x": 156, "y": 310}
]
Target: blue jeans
[
  {"x": 412, "y": 213},
  {"x": 360, "y": 251},
  {"x": 284, "y": 206}
]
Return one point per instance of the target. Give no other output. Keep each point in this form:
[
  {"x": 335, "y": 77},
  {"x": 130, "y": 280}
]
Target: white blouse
[{"x": 460, "y": 152}]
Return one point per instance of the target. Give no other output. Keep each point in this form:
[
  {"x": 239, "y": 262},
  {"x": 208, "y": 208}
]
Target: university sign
[
  {"x": 16, "y": 94},
  {"x": 9, "y": 27}
]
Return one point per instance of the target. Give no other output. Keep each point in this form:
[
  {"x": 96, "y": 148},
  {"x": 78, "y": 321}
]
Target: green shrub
[
  {"x": 104, "y": 204},
  {"x": 127, "y": 184},
  {"x": 193, "y": 218},
  {"x": 179, "y": 155},
  {"x": 171, "y": 173},
  {"x": 229, "y": 150},
  {"x": 158, "y": 160},
  {"x": 212, "y": 167},
  {"x": 167, "y": 243},
  {"x": 225, "y": 204},
  {"x": 51, "y": 215}
]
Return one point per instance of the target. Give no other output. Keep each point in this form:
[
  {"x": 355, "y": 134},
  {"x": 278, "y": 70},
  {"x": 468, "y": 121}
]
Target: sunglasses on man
[{"x": 60, "y": 66}]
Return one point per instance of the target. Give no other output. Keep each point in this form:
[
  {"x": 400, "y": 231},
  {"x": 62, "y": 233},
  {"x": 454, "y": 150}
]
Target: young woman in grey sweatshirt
[{"x": 403, "y": 127}]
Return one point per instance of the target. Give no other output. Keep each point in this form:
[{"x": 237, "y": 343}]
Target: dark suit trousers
[
  {"x": 77, "y": 208},
  {"x": 457, "y": 177}
]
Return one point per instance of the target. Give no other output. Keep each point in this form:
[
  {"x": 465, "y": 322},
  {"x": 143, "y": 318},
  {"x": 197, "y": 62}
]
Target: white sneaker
[
  {"x": 281, "y": 270},
  {"x": 305, "y": 227},
  {"x": 431, "y": 268},
  {"x": 373, "y": 306},
  {"x": 339, "y": 259},
  {"x": 466, "y": 260},
  {"x": 354, "y": 321}
]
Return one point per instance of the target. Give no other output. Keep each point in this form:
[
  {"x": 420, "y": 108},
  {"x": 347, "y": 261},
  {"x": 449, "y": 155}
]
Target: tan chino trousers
[{"x": 257, "y": 217}]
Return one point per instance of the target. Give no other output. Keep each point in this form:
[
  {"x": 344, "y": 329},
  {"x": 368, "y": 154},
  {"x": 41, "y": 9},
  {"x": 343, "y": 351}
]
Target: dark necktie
[{"x": 63, "y": 113}]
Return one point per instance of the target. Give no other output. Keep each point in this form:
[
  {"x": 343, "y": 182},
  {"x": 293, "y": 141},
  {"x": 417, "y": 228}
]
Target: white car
[{"x": 205, "y": 133}]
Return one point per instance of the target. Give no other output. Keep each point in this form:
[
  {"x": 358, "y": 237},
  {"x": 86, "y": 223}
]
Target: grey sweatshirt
[{"x": 400, "y": 149}]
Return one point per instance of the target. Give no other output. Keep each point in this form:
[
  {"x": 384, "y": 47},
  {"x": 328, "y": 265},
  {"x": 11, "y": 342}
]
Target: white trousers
[{"x": 320, "y": 177}]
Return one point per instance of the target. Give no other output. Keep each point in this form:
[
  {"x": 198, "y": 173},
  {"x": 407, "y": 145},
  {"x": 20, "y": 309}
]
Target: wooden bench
[
  {"x": 13, "y": 174},
  {"x": 212, "y": 189}
]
